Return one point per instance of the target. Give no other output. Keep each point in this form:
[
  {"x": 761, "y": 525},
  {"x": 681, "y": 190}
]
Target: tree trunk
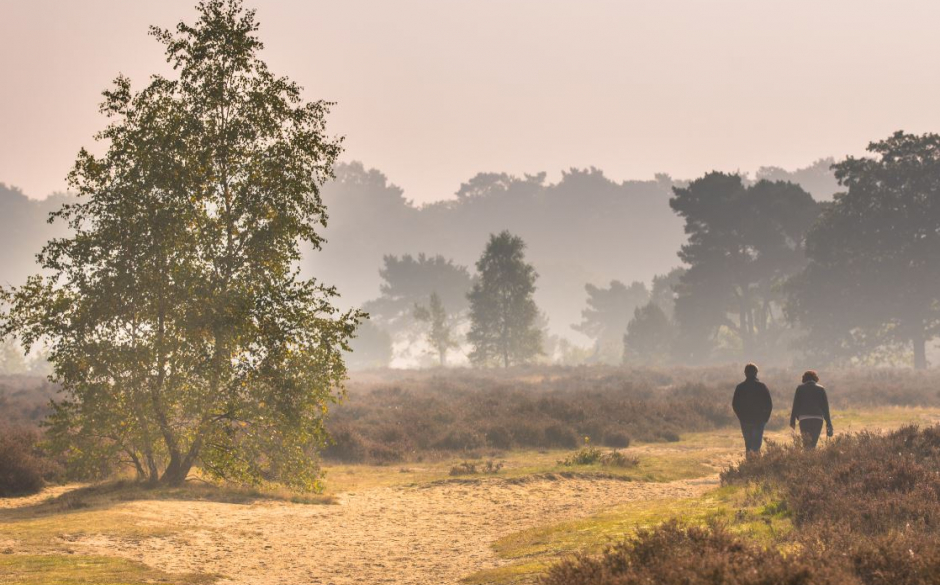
[
  {"x": 920, "y": 350},
  {"x": 176, "y": 473}
]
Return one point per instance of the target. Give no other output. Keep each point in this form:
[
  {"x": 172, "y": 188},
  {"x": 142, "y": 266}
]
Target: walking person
[
  {"x": 753, "y": 405},
  {"x": 811, "y": 409}
]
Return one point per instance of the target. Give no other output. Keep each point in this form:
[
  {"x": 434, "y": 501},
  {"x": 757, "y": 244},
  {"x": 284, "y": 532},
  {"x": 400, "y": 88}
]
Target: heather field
[{"x": 543, "y": 474}]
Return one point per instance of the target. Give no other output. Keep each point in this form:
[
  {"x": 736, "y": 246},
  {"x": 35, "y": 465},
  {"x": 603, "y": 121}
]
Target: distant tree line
[{"x": 769, "y": 273}]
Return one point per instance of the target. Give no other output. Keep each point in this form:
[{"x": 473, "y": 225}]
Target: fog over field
[
  {"x": 583, "y": 229},
  {"x": 476, "y": 292}
]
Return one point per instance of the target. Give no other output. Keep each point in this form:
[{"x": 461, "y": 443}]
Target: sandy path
[{"x": 431, "y": 534}]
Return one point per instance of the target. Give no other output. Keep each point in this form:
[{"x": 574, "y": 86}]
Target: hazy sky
[{"x": 434, "y": 91}]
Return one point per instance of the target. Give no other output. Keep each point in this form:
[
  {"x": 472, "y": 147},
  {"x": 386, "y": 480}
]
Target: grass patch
[
  {"x": 86, "y": 570},
  {"x": 749, "y": 511},
  {"x": 657, "y": 462}
]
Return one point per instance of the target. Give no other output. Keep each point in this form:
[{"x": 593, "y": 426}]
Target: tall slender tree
[
  {"x": 440, "y": 331},
  {"x": 503, "y": 313},
  {"x": 179, "y": 327}
]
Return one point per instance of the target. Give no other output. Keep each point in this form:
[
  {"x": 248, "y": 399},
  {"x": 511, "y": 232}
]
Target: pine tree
[{"x": 503, "y": 313}]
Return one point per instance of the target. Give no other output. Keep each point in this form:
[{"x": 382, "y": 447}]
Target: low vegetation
[
  {"x": 85, "y": 570},
  {"x": 590, "y": 455},
  {"x": 415, "y": 415},
  {"x": 24, "y": 467},
  {"x": 863, "y": 510}
]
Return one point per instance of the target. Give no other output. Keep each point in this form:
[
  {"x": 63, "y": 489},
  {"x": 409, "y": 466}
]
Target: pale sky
[{"x": 433, "y": 91}]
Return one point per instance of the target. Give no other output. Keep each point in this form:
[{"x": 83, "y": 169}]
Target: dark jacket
[
  {"x": 752, "y": 402},
  {"x": 810, "y": 400}
]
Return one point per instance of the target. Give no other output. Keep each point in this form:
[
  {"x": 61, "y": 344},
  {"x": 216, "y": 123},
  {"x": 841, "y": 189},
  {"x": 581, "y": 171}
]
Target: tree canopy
[
  {"x": 178, "y": 326},
  {"x": 504, "y": 318},
  {"x": 609, "y": 310},
  {"x": 744, "y": 242},
  {"x": 872, "y": 284},
  {"x": 409, "y": 280}
]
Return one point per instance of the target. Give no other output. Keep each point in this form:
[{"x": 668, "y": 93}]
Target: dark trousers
[
  {"x": 809, "y": 430},
  {"x": 753, "y": 436}
]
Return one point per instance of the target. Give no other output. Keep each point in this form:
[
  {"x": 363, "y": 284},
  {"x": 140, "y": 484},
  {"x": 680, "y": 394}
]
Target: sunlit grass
[
  {"x": 86, "y": 570},
  {"x": 655, "y": 465},
  {"x": 751, "y": 512}
]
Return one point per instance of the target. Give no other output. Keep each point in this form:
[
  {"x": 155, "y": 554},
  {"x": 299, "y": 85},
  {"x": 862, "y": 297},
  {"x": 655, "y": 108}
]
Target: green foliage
[
  {"x": 178, "y": 325},
  {"x": 503, "y": 313},
  {"x": 489, "y": 467},
  {"x": 591, "y": 455},
  {"x": 872, "y": 285},
  {"x": 65, "y": 569},
  {"x": 744, "y": 241},
  {"x": 440, "y": 333}
]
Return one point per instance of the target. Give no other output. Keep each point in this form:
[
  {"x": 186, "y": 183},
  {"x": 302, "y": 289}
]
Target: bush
[
  {"x": 586, "y": 455},
  {"x": 451, "y": 412},
  {"x": 558, "y": 435},
  {"x": 865, "y": 483},
  {"x": 22, "y": 466},
  {"x": 498, "y": 438},
  {"x": 346, "y": 445},
  {"x": 460, "y": 440},
  {"x": 467, "y": 468},
  {"x": 618, "y": 459},
  {"x": 865, "y": 507},
  {"x": 616, "y": 439},
  {"x": 672, "y": 554}
]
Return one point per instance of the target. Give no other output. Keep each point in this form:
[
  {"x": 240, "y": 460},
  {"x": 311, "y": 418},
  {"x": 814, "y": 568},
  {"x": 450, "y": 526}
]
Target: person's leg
[
  {"x": 810, "y": 429},
  {"x": 747, "y": 432},
  {"x": 758, "y": 439}
]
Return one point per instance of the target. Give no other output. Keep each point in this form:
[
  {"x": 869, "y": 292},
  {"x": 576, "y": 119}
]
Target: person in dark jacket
[
  {"x": 811, "y": 409},
  {"x": 753, "y": 405}
]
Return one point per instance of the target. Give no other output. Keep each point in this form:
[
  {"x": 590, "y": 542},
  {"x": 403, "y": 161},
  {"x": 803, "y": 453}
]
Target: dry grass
[{"x": 86, "y": 570}]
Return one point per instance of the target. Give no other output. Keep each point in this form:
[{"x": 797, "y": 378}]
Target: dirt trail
[{"x": 430, "y": 534}]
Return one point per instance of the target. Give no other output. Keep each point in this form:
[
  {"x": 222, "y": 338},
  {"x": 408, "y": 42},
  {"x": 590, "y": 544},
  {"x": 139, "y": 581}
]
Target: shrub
[
  {"x": 498, "y": 438},
  {"x": 618, "y": 459},
  {"x": 586, "y": 455},
  {"x": 673, "y": 554},
  {"x": 452, "y": 412},
  {"x": 21, "y": 464},
  {"x": 617, "y": 439},
  {"x": 346, "y": 445},
  {"x": 384, "y": 454},
  {"x": 460, "y": 440},
  {"x": 558, "y": 435},
  {"x": 467, "y": 468},
  {"x": 526, "y": 433}
]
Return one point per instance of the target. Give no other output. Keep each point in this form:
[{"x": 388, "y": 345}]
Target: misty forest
[{"x": 231, "y": 353}]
